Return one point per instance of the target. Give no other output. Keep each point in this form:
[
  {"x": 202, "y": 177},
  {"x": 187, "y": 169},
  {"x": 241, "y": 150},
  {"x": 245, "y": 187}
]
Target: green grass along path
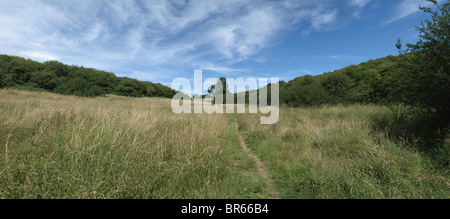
[{"x": 262, "y": 169}]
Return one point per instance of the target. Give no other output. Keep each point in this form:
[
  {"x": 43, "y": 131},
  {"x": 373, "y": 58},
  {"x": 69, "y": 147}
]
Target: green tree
[
  {"x": 73, "y": 80},
  {"x": 211, "y": 89},
  {"x": 46, "y": 80},
  {"x": 80, "y": 86},
  {"x": 338, "y": 85},
  {"x": 220, "y": 89},
  {"x": 150, "y": 89},
  {"x": 2, "y": 78},
  {"x": 425, "y": 81},
  {"x": 163, "y": 91},
  {"x": 130, "y": 87},
  {"x": 304, "y": 91},
  {"x": 58, "y": 68},
  {"x": 20, "y": 75}
]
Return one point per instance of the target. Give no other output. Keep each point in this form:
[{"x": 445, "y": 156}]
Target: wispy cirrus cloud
[
  {"x": 359, "y": 3},
  {"x": 359, "y": 6},
  {"x": 154, "y": 35},
  {"x": 407, "y": 8}
]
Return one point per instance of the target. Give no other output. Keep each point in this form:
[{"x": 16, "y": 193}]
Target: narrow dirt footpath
[{"x": 259, "y": 164}]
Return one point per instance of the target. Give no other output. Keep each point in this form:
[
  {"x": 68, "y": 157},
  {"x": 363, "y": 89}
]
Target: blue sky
[{"x": 159, "y": 41}]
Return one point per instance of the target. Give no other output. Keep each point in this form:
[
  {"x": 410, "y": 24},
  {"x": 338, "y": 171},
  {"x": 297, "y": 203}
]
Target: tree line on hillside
[
  {"x": 56, "y": 77},
  {"x": 369, "y": 82},
  {"x": 364, "y": 83}
]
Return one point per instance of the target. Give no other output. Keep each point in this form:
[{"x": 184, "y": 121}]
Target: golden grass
[
  {"x": 56, "y": 146},
  {"x": 115, "y": 147}
]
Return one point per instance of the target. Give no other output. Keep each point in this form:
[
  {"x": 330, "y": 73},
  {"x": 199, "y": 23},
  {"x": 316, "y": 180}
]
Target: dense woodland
[
  {"x": 56, "y": 77},
  {"x": 367, "y": 82}
]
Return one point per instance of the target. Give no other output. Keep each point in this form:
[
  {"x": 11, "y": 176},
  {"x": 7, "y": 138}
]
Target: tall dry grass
[{"x": 56, "y": 146}]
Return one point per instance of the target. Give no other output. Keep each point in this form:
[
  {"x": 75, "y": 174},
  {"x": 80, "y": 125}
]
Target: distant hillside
[
  {"x": 368, "y": 82},
  {"x": 56, "y": 77}
]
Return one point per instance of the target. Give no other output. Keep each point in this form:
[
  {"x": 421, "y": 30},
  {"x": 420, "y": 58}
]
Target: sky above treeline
[{"x": 159, "y": 41}]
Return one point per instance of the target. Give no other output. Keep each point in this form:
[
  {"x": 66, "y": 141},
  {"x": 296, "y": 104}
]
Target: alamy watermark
[{"x": 184, "y": 103}]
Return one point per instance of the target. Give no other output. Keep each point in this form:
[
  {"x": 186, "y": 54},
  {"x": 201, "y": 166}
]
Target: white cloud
[
  {"x": 38, "y": 45},
  {"x": 358, "y": 5},
  {"x": 39, "y": 56},
  {"x": 407, "y": 8},
  {"x": 321, "y": 20},
  {"x": 247, "y": 35},
  {"x": 111, "y": 34},
  {"x": 221, "y": 69},
  {"x": 94, "y": 32}
]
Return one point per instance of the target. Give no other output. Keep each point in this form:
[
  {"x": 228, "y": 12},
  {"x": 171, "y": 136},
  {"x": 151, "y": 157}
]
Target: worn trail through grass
[{"x": 262, "y": 169}]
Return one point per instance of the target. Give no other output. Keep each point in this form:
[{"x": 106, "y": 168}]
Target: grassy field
[
  {"x": 335, "y": 152},
  {"x": 55, "y": 146}
]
